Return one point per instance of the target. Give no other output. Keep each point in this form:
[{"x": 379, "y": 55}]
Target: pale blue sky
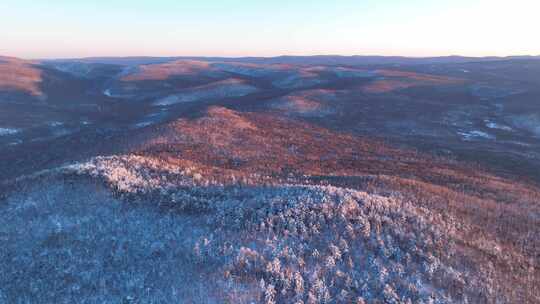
[{"x": 71, "y": 28}]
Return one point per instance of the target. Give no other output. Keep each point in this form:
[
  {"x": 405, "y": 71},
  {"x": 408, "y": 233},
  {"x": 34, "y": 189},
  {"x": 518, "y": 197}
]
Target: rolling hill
[{"x": 274, "y": 180}]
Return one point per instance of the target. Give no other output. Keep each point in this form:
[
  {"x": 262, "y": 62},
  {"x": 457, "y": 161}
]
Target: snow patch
[
  {"x": 221, "y": 89},
  {"x": 494, "y": 125},
  {"x": 150, "y": 119},
  {"x": 144, "y": 124},
  {"x": 62, "y": 132},
  {"x": 475, "y": 134},
  {"x": 15, "y": 143},
  {"x": 55, "y": 124},
  {"x": 8, "y": 131}
]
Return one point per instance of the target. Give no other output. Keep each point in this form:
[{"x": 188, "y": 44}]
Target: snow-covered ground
[
  {"x": 55, "y": 124},
  {"x": 528, "y": 122},
  {"x": 353, "y": 73},
  {"x": 150, "y": 119},
  {"x": 298, "y": 80},
  {"x": 108, "y": 93},
  {"x": 184, "y": 239},
  {"x": 344, "y": 72},
  {"x": 475, "y": 134},
  {"x": 78, "y": 69},
  {"x": 8, "y": 131},
  {"x": 15, "y": 142},
  {"x": 253, "y": 70},
  {"x": 220, "y": 89},
  {"x": 76, "y": 243},
  {"x": 123, "y": 91},
  {"x": 497, "y": 126}
]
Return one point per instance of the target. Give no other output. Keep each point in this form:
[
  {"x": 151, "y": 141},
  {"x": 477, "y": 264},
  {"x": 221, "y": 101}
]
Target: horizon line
[{"x": 268, "y": 57}]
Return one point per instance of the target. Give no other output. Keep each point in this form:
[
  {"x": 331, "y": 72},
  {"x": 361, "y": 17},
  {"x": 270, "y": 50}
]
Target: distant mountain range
[{"x": 308, "y": 60}]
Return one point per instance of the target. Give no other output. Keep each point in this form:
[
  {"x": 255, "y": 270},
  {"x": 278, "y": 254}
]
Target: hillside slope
[
  {"x": 146, "y": 180},
  {"x": 270, "y": 209}
]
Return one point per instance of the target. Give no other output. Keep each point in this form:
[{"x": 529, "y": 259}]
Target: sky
[{"x": 232, "y": 28}]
